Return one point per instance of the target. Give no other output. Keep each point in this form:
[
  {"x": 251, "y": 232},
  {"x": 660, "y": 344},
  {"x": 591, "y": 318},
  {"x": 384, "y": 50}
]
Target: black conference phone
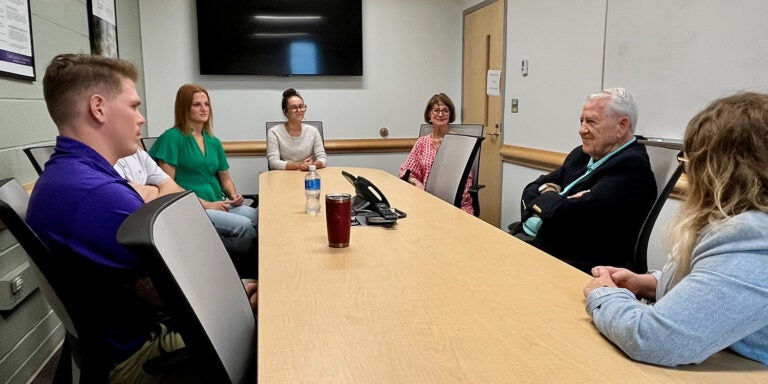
[{"x": 369, "y": 197}]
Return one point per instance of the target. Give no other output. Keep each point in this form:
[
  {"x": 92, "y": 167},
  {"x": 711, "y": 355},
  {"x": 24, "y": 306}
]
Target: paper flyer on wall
[
  {"x": 16, "y": 58},
  {"x": 105, "y": 9}
]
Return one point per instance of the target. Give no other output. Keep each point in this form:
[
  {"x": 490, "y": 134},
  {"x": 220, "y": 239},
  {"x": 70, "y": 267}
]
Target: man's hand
[
  {"x": 549, "y": 187},
  {"x": 578, "y": 195},
  {"x": 146, "y": 290},
  {"x": 147, "y": 192}
]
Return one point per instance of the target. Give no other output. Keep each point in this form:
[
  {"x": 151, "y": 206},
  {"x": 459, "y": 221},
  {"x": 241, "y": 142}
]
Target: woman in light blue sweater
[{"x": 713, "y": 292}]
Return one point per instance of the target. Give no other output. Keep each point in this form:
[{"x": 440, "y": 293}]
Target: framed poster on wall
[
  {"x": 102, "y": 24},
  {"x": 16, "y": 53}
]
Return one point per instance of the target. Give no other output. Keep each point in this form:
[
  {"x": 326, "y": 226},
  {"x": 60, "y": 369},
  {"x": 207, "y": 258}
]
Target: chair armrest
[
  {"x": 476, "y": 188},
  {"x": 473, "y": 193},
  {"x": 254, "y": 197}
]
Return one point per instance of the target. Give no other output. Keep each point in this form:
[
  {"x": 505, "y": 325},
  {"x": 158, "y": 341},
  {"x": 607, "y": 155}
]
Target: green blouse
[{"x": 194, "y": 171}]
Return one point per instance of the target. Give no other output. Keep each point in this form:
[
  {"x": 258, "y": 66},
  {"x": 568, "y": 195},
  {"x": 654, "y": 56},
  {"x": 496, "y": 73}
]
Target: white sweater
[{"x": 283, "y": 148}]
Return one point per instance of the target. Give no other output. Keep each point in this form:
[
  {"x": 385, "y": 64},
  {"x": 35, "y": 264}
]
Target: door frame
[{"x": 502, "y": 83}]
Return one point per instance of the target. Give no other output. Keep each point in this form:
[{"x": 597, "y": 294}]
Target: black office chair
[
  {"x": 13, "y": 209},
  {"x": 453, "y": 162},
  {"x": 663, "y": 154},
  {"x": 469, "y": 130},
  {"x": 147, "y": 142},
  {"x": 69, "y": 283},
  {"x": 197, "y": 281},
  {"x": 38, "y": 156}
]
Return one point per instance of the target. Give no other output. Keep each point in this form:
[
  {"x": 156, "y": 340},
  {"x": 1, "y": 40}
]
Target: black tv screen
[{"x": 279, "y": 37}]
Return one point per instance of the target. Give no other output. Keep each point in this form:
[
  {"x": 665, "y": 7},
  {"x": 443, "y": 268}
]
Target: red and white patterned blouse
[{"x": 420, "y": 163}]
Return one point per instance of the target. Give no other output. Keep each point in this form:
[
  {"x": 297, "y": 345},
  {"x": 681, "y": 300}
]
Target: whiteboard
[{"x": 676, "y": 56}]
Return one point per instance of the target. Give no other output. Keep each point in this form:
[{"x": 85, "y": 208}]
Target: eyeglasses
[
  {"x": 682, "y": 159},
  {"x": 444, "y": 111},
  {"x": 297, "y": 108}
]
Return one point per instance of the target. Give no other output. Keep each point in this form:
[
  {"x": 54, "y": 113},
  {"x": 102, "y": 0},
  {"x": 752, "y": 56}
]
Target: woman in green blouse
[{"x": 195, "y": 159}]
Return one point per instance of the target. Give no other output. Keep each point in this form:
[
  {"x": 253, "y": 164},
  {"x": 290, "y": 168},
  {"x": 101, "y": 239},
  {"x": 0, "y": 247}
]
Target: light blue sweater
[{"x": 722, "y": 303}]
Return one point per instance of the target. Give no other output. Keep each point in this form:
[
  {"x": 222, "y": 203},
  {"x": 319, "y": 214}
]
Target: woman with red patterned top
[{"x": 439, "y": 112}]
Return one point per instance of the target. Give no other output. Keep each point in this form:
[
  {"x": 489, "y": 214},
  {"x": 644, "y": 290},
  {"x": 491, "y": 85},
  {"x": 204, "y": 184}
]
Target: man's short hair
[
  {"x": 69, "y": 75},
  {"x": 621, "y": 103}
]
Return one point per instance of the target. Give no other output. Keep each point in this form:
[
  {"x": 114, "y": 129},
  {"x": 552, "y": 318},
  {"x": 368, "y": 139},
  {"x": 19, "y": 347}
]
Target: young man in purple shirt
[{"x": 80, "y": 201}]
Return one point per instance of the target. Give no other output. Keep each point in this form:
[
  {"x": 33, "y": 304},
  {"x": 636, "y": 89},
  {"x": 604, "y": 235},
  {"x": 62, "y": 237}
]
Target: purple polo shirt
[
  {"x": 77, "y": 205},
  {"x": 81, "y": 201}
]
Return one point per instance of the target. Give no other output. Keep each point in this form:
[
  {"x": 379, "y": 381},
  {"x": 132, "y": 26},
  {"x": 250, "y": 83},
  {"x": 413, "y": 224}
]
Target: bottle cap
[{"x": 312, "y": 167}]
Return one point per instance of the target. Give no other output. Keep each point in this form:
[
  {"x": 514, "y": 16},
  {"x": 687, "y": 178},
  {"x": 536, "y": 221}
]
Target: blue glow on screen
[{"x": 304, "y": 58}]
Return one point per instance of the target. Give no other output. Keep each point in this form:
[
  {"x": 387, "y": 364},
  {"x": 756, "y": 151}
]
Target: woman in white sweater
[{"x": 293, "y": 145}]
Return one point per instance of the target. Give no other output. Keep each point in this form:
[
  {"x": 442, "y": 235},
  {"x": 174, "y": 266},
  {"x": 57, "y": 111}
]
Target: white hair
[{"x": 621, "y": 103}]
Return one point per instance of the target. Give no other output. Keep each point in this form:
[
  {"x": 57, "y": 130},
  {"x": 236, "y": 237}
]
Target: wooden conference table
[{"x": 441, "y": 297}]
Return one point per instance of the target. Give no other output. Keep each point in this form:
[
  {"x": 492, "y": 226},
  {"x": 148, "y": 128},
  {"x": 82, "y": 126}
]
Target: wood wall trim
[
  {"x": 540, "y": 159},
  {"x": 259, "y": 148},
  {"x": 370, "y": 145},
  {"x": 549, "y": 161},
  {"x": 532, "y": 157}
]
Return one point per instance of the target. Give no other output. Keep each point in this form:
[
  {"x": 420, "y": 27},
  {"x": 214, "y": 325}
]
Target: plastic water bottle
[{"x": 312, "y": 190}]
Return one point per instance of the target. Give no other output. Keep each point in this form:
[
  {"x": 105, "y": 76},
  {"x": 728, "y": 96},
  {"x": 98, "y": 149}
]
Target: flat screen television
[{"x": 279, "y": 37}]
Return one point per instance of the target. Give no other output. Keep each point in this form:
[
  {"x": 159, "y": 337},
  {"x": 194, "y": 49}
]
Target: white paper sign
[
  {"x": 104, "y": 9},
  {"x": 16, "y": 56},
  {"x": 493, "y": 82}
]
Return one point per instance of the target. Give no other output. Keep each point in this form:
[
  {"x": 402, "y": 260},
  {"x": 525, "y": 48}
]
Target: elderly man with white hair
[{"x": 589, "y": 211}]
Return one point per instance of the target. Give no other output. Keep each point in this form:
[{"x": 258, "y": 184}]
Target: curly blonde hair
[{"x": 727, "y": 149}]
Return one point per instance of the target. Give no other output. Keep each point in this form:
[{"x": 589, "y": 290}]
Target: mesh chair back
[
  {"x": 38, "y": 156},
  {"x": 468, "y": 130},
  {"x": 147, "y": 142},
  {"x": 452, "y": 166},
  {"x": 459, "y": 129},
  {"x": 196, "y": 279},
  {"x": 666, "y": 170},
  {"x": 315, "y": 123}
]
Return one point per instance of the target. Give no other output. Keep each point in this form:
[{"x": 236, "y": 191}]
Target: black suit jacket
[{"x": 601, "y": 227}]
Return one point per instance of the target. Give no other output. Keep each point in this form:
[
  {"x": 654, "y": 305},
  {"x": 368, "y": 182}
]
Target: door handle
[{"x": 497, "y": 133}]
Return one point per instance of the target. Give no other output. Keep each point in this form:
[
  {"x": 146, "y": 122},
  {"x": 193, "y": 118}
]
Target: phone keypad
[{"x": 386, "y": 212}]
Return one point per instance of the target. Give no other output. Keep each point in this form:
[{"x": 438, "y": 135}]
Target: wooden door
[{"x": 483, "y": 51}]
